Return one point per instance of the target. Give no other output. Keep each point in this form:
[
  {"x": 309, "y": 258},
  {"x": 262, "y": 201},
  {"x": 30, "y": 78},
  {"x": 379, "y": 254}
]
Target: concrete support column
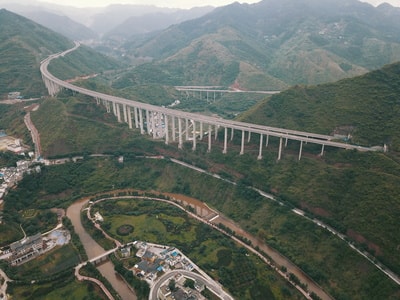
[
  {"x": 322, "y": 150},
  {"x": 267, "y": 142},
  {"x": 286, "y": 142},
  {"x": 114, "y": 109},
  {"x": 166, "y": 129},
  {"x": 187, "y": 129},
  {"x": 173, "y": 128},
  {"x": 118, "y": 112},
  {"x": 209, "y": 137},
  {"x": 232, "y": 132},
  {"x": 148, "y": 121},
  {"x": 98, "y": 101},
  {"x": 225, "y": 141},
  {"x": 194, "y": 135},
  {"x": 129, "y": 117},
  {"x": 141, "y": 121},
  {"x": 108, "y": 106},
  {"x": 216, "y": 132},
  {"x": 248, "y": 140},
  {"x": 261, "y": 145},
  {"x": 242, "y": 145},
  {"x": 180, "y": 133},
  {"x": 125, "y": 113},
  {"x": 153, "y": 124},
  {"x": 136, "y": 117},
  {"x": 280, "y": 149},
  {"x": 201, "y": 130},
  {"x": 301, "y": 149}
]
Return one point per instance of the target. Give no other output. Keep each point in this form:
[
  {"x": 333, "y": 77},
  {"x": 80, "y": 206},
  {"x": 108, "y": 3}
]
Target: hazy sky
[{"x": 174, "y": 3}]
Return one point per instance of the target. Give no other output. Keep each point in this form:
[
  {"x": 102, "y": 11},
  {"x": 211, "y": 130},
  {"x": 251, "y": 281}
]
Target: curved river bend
[{"x": 93, "y": 249}]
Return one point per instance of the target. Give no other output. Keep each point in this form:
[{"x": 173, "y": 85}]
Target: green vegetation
[
  {"x": 279, "y": 226},
  {"x": 23, "y": 44},
  {"x": 161, "y": 223},
  {"x": 63, "y": 289},
  {"x": 141, "y": 287},
  {"x": 90, "y": 270},
  {"x": 271, "y": 45},
  {"x": 70, "y": 126},
  {"x": 12, "y": 121},
  {"x": 81, "y": 62},
  {"x": 96, "y": 233},
  {"x": 45, "y": 266},
  {"x": 365, "y": 107}
]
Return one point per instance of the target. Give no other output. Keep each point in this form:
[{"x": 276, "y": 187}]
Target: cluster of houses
[
  {"x": 181, "y": 291},
  {"x": 33, "y": 246},
  {"x": 10, "y": 176},
  {"x": 156, "y": 259}
]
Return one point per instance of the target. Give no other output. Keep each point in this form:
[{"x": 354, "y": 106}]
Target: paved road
[
  {"x": 34, "y": 133},
  {"x": 3, "y": 287},
  {"x": 307, "y": 137},
  {"x": 215, "y": 288}
]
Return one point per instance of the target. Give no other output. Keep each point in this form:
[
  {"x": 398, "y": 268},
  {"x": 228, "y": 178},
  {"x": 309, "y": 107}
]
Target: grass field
[
  {"x": 71, "y": 290},
  {"x": 58, "y": 259}
]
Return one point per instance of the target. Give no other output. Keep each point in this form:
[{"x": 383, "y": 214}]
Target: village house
[{"x": 26, "y": 249}]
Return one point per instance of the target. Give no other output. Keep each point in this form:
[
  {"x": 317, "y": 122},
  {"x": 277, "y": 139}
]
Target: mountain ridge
[{"x": 294, "y": 43}]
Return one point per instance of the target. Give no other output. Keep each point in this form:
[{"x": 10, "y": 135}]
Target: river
[{"x": 93, "y": 250}]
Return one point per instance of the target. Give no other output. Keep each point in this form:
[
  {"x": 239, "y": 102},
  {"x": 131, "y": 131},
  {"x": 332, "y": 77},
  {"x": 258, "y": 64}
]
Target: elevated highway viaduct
[{"x": 177, "y": 126}]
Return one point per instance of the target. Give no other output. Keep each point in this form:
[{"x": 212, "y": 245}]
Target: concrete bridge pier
[
  {"x": 261, "y": 145},
  {"x": 153, "y": 123},
  {"x": 301, "y": 149},
  {"x": 209, "y": 137},
  {"x": 148, "y": 121},
  {"x": 216, "y": 132},
  {"x": 201, "y": 130},
  {"x": 114, "y": 109},
  {"x": 129, "y": 116},
  {"x": 248, "y": 140},
  {"x": 135, "y": 109},
  {"x": 225, "y": 141},
  {"x": 141, "y": 121},
  {"x": 108, "y": 106},
  {"x": 125, "y": 112},
  {"x": 49, "y": 86},
  {"x": 173, "y": 129},
  {"x": 118, "y": 112},
  {"x": 187, "y": 129},
  {"x": 232, "y": 133},
  {"x": 242, "y": 144},
  {"x": 166, "y": 129},
  {"x": 98, "y": 101},
  {"x": 180, "y": 144},
  {"x": 267, "y": 141},
  {"x": 322, "y": 150},
  {"x": 280, "y": 149},
  {"x": 194, "y": 136}
]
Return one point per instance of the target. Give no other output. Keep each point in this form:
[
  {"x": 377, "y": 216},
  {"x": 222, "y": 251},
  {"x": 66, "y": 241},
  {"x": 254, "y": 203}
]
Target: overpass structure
[
  {"x": 211, "y": 92},
  {"x": 179, "y": 126}
]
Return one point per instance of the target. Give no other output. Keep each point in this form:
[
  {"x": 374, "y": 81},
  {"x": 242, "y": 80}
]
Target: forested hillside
[
  {"x": 23, "y": 44},
  {"x": 272, "y": 44},
  {"x": 365, "y": 109}
]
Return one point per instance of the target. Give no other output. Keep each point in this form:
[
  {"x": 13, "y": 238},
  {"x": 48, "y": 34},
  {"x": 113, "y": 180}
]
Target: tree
[
  {"x": 172, "y": 285},
  {"x": 189, "y": 283}
]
